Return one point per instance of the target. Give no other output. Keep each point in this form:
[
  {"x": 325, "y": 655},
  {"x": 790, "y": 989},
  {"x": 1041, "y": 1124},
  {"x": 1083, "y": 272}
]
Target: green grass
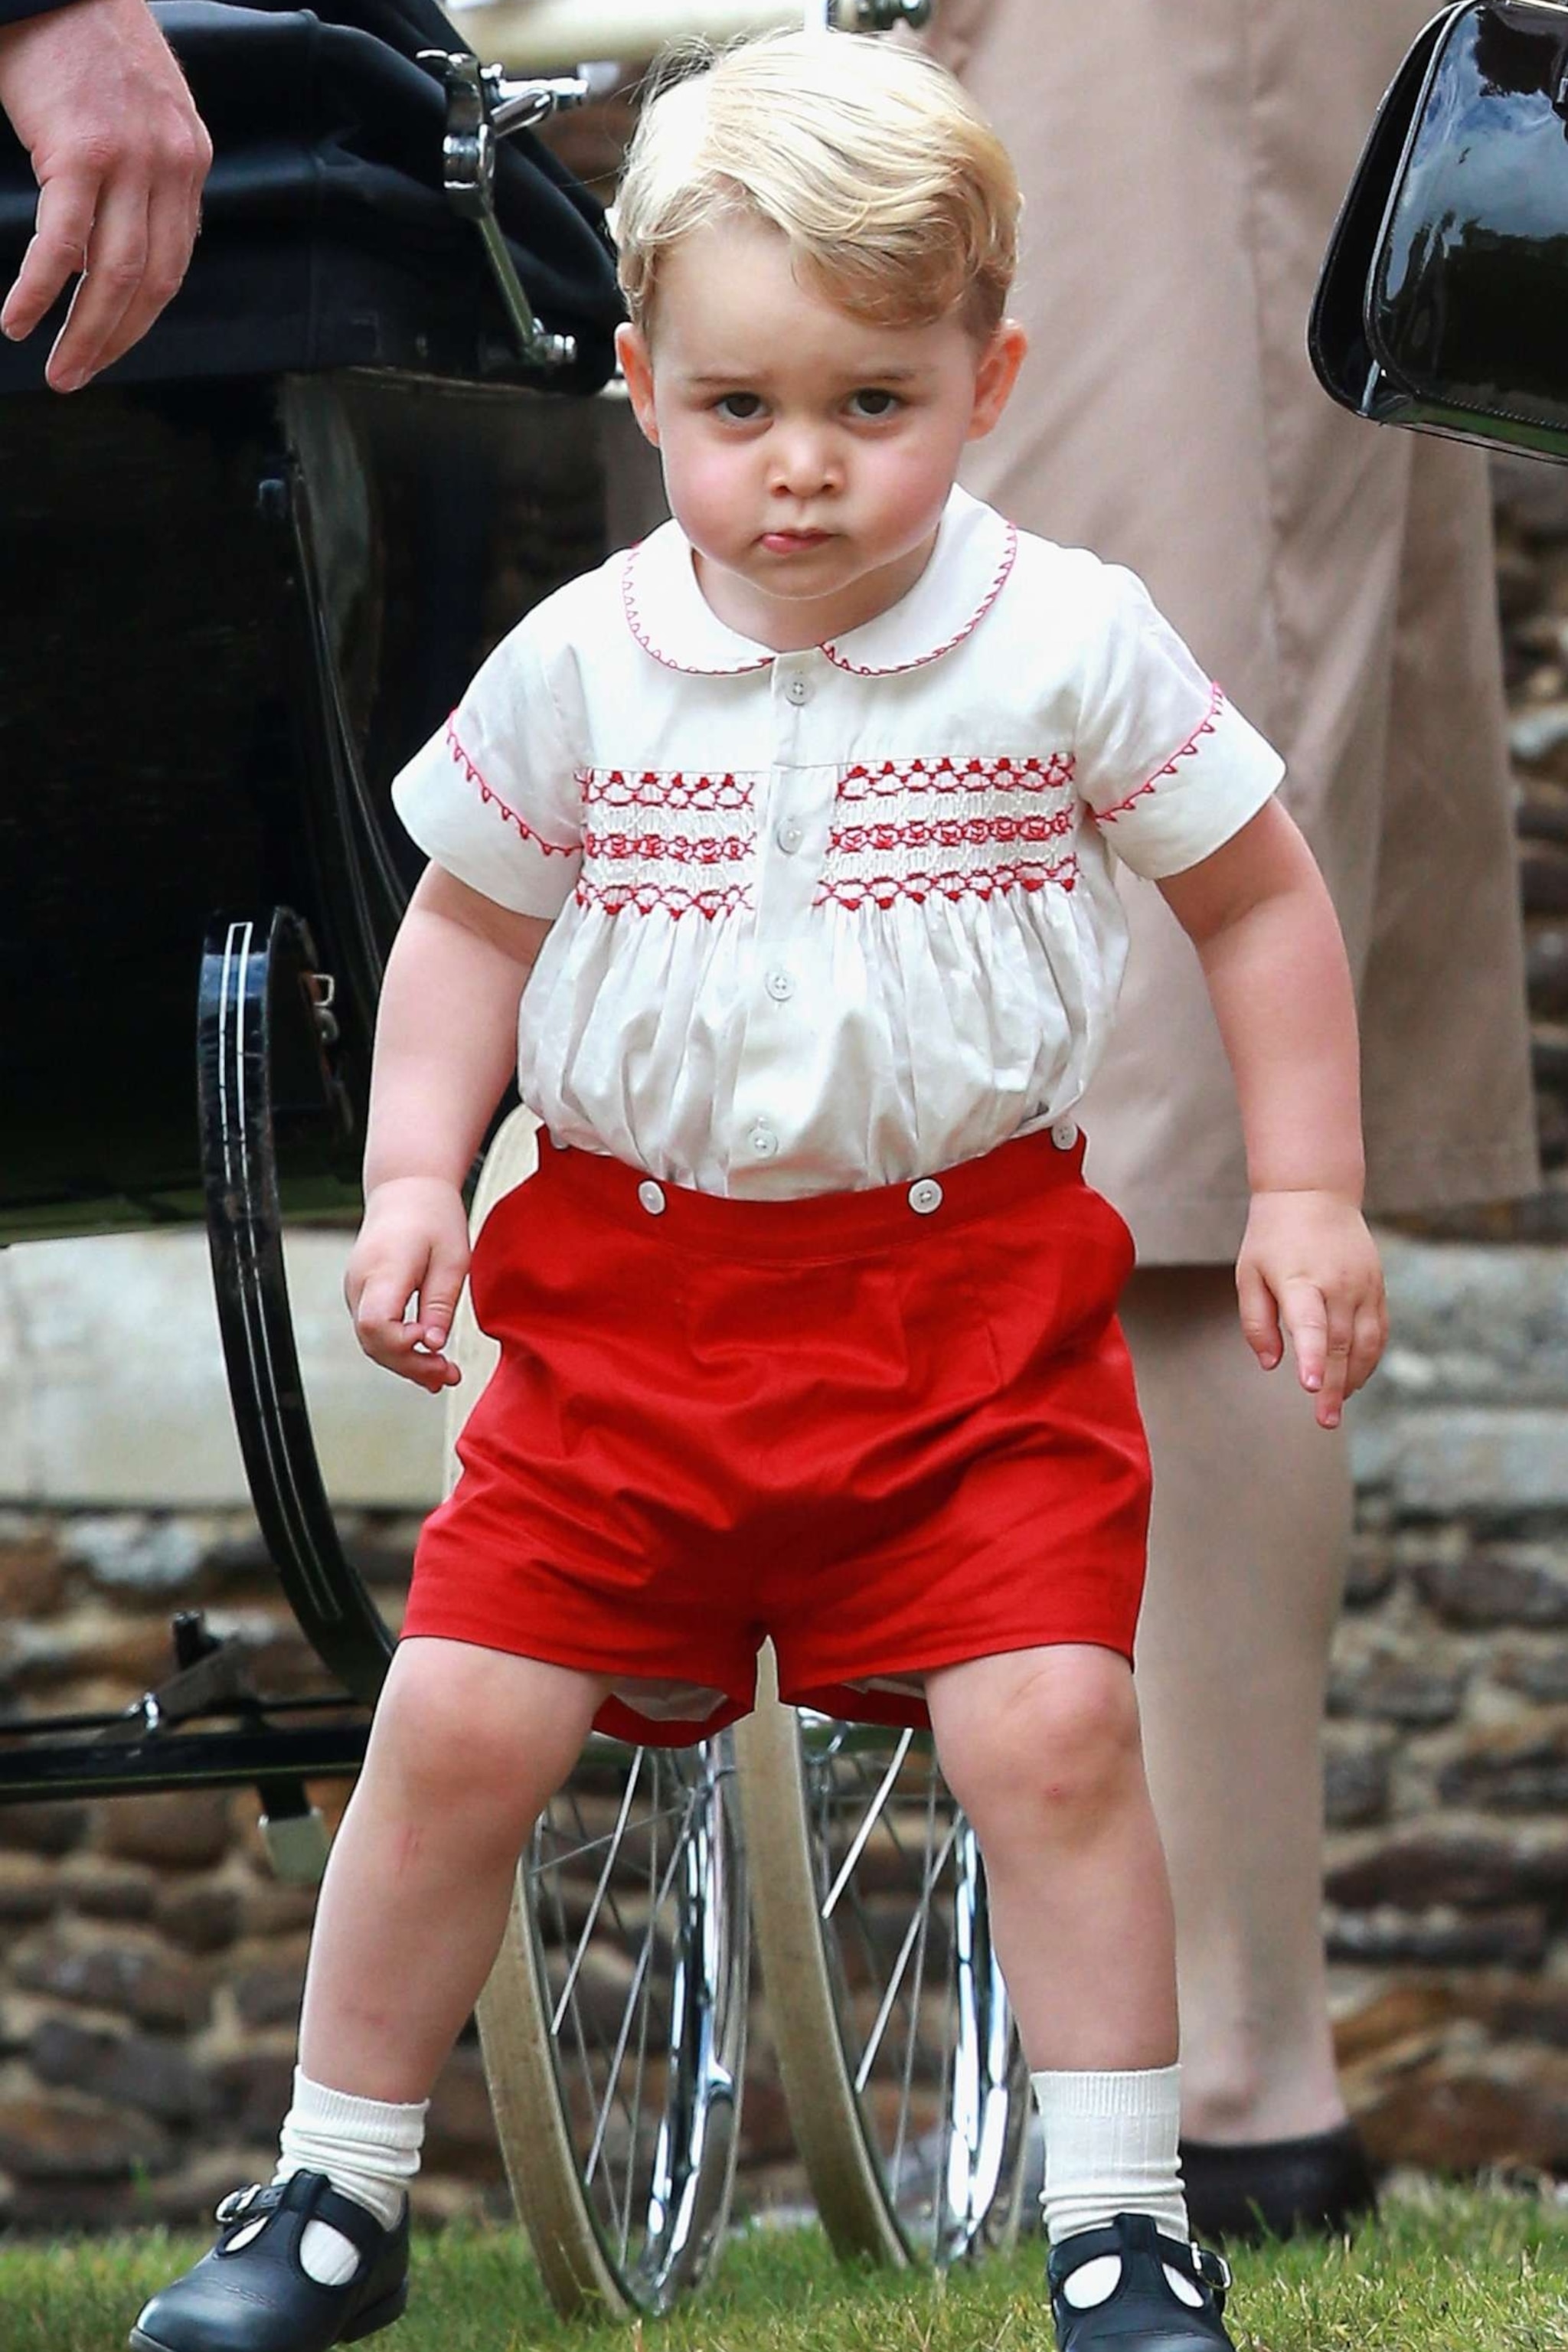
[{"x": 1444, "y": 2272}]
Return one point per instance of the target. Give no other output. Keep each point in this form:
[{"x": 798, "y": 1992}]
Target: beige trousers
[{"x": 1183, "y": 162}]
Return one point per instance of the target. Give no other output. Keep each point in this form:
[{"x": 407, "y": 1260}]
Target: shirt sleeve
[
  {"x": 1169, "y": 768},
  {"x": 493, "y": 796}
]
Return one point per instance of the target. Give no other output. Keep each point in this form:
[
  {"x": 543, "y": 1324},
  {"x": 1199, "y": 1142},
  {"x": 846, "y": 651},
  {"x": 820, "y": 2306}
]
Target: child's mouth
[{"x": 793, "y": 543}]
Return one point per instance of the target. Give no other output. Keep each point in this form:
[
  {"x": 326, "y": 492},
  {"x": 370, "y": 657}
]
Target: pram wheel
[
  {"x": 906, "y": 2083},
  {"x": 613, "y": 2022}
]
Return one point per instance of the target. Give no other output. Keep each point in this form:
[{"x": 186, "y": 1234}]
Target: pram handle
[
  {"x": 543, "y": 36},
  {"x": 483, "y": 106}
]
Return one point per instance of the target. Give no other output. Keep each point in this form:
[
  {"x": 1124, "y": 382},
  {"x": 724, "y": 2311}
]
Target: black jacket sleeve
[{"x": 13, "y": 11}]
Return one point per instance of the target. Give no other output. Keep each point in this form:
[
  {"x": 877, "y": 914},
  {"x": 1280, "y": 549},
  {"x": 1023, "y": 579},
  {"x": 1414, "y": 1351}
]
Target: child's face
[{"x": 807, "y": 454}]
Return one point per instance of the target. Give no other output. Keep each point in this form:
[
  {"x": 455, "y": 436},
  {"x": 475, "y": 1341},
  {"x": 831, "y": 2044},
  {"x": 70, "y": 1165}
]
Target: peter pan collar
[{"x": 669, "y": 616}]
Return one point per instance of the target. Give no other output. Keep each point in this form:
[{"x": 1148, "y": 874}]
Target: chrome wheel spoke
[
  {"x": 928, "y": 2041},
  {"x": 625, "y": 1866}
]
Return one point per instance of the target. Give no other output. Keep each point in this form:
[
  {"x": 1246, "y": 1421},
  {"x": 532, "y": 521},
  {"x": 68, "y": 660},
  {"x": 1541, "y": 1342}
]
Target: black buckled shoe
[
  {"x": 1143, "y": 2313},
  {"x": 260, "y": 2298}
]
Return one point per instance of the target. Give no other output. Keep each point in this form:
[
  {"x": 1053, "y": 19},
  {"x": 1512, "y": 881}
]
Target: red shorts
[{"x": 891, "y": 1429}]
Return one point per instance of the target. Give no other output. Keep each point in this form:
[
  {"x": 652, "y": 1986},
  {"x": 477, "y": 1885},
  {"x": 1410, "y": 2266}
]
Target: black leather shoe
[
  {"x": 1321, "y": 2184},
  {"x": 260, "y": 2298},
  {"x": 1144, "y": 2312}
]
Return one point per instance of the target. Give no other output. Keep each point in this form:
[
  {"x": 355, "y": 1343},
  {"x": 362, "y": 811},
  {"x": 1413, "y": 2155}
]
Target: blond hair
[{"x": 898, "y": 199}]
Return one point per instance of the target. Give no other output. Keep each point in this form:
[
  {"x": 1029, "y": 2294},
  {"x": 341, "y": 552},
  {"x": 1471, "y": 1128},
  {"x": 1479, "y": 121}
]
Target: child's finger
[
  {"x": 1259, "y": 1317},
  {"x": 439, "y": 1293},
  {"x": 389, "y": 1340},
  {"x": 1371, "y": 1336},
  {"x": 1336, "y": 1367},
  {"x": 1305, "y": 1317},
  {"x": 378, "y": 1313}
]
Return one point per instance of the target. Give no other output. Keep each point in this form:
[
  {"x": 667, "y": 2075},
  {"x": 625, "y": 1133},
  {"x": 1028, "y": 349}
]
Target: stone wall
[
  {"x": 150, "y": 1964},
  {"x": 1447, "y": 1738}
]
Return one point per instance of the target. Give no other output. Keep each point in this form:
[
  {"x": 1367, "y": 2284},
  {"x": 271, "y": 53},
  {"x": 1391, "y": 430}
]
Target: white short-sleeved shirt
[{"x": 838, "y": 917}]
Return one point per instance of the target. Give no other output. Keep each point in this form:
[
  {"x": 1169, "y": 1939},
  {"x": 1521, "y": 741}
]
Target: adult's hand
[{"x": 96, "y": 96}]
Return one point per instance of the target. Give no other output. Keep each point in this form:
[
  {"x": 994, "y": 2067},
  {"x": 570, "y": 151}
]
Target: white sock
[
  {"x": 1110, "y": 2147},
  {"x": 366, "y": 2148}
]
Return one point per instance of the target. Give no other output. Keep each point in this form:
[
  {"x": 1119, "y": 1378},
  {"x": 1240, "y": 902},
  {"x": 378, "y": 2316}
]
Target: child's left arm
[{"x": 1260, "y": 914}]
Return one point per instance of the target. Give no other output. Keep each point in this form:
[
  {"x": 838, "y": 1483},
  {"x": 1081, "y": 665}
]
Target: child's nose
[{"x": 803, "y": 461}]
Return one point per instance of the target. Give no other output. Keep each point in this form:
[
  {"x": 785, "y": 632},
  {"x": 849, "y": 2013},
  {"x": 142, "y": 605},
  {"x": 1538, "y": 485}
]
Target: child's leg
[
  {"x": 467, "y": 1748},
  {"x": 1041, "y": 1748}
]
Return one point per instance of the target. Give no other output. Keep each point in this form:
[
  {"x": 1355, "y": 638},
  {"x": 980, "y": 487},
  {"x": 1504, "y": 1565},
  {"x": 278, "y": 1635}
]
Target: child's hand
[
  {"x": 1308, "y": 1262},
  {"x": 413, "y": 1244}
]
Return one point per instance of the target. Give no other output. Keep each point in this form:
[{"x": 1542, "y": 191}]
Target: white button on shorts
[
  {"x": 780, "y": 987},
  {"x": 764, "y": 1142},
  {"x": 798, "y": 690},
  {"x": 1064, "y": 1135},
  {"x": 925, "y": 1195},
  {"x": 651, "y": 1195}
]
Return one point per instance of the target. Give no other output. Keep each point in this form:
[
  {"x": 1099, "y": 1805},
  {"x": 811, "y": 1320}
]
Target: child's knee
[
  {"x": 1052, "y": 1742},
  {"x": 456, "y": 1727}
]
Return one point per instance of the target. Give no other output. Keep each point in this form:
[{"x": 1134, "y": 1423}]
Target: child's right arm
[{"x": 445, "y": 1045}]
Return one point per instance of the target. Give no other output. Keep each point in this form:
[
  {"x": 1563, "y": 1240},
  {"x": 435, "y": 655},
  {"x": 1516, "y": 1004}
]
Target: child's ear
[
  {"x": 637, "y": 366},
  {"x": 995, "y": 377}
]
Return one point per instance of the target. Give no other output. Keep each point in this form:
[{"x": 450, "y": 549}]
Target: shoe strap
[
  {"x": 1137, "y": 2233},
  {"x": 312, "y": 2196}
]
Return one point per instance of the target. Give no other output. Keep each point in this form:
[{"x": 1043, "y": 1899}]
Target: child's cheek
[{"x": 708, "y": 496}]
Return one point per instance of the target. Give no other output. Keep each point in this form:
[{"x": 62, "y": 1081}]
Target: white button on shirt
[{"x": 967, "y": 766}]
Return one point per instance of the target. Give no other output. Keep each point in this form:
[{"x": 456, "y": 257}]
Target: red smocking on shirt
[
  {"x": 672, "y": 788},
  {"x": 950, "y": 775},
  {"x": 672, "y": 848},
  {"x": 951, "y": 832},
  {"x": 883, "y": 891},
  {"x": 641, "y": 898}
]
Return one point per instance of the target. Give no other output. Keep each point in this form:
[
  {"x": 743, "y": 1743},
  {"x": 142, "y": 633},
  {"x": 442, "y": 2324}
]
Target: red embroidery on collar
[
  {"x": 641, "y": 631},
  {"x": 492, "y": 799},
  {"x": 1206, "y": 726},
  {"x": 935, "y": 652},
  {"x": 638, "y": 628}
]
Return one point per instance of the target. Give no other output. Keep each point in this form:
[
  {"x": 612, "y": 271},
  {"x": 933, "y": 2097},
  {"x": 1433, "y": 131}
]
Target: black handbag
[
  {"x": 328, "y": 239},
  {"x": 1443, "y": 300}
]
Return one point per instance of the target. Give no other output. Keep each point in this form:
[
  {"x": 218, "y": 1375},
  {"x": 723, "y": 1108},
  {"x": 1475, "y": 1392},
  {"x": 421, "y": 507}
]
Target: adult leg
[
  {"x": 1248, "y": 1539},
  {"x": 1247, "y": 1545}
]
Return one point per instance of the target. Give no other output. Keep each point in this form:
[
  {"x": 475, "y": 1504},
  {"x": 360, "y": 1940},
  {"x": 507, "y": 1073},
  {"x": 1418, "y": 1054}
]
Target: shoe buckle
[
  {"x": 1212, "y": 2268},
  {"x": 237, "y": 2203}
]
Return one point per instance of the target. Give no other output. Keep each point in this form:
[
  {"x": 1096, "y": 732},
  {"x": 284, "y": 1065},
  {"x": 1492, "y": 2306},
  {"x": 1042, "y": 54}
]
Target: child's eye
[
  {"x": 739, "y": 407},
  {"x": 872, "y": 401}
]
